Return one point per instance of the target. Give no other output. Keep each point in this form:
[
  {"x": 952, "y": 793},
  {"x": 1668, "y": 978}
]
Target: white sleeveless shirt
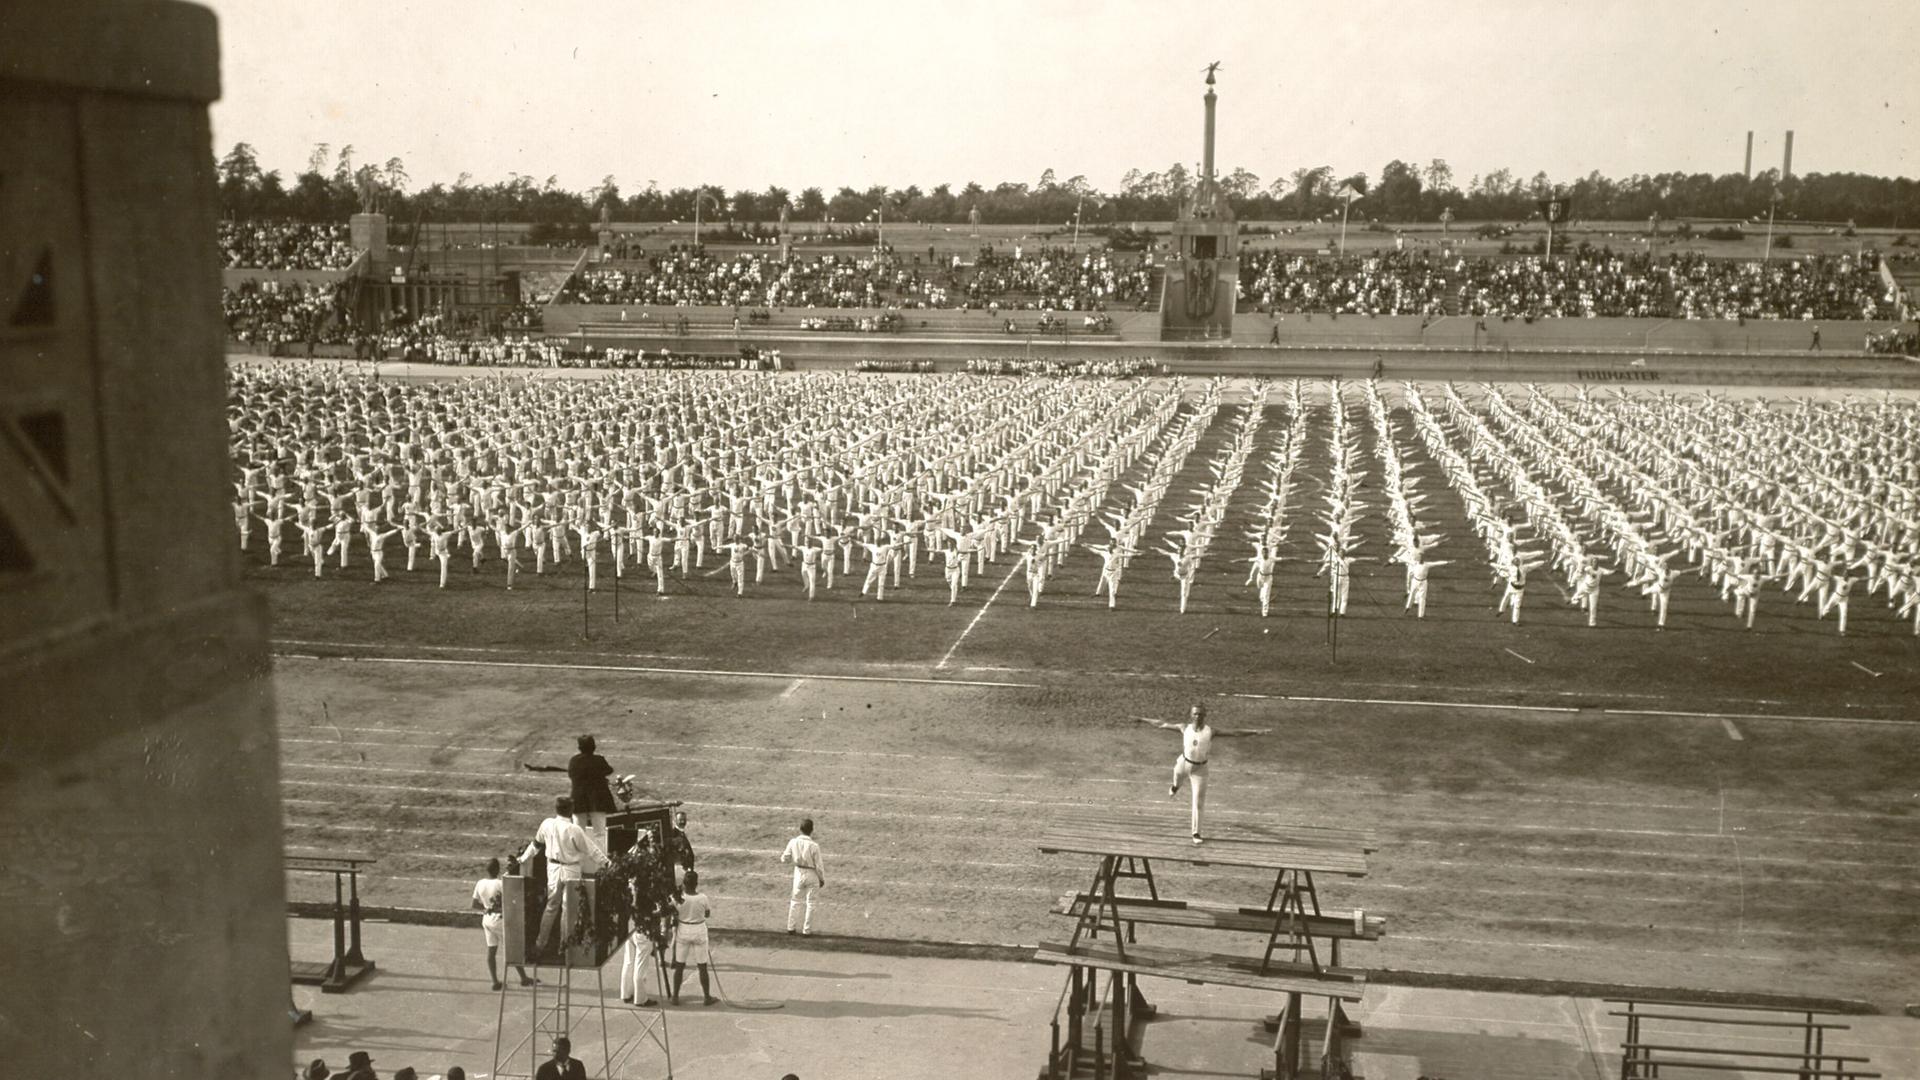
[{"x": 1196, "y": 744}]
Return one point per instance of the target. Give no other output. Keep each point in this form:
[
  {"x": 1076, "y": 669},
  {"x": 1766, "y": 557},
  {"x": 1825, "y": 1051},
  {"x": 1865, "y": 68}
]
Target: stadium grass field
[
  {"x": 1556, "y": 821},
  {"x": 1792, "y": 662}
]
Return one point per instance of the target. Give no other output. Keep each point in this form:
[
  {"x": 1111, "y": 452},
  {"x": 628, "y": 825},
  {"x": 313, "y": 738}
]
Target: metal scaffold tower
[{"x": 552, "y": 1010}]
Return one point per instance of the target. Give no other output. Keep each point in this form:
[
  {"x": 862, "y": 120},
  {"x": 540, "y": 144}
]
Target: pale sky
[{"x": 746, "y": 94}]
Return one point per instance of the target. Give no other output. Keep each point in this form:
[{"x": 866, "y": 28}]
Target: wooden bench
[
  {"x": 1641, "y": 1059},
  {"x": 1198, "y": 915},
  {"x": 1838, "y": 1069},
  {"x": 1204, "y": 968}
]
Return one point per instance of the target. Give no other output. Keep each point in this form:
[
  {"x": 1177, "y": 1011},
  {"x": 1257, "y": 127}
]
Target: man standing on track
[
  {"x": 1196, "y": 749},
  {"x": 678, "y": 848},
  {"x": 803, "y": 852}
]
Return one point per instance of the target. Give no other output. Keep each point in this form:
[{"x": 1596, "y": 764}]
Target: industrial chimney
[
  {"x": 1749, "y": 168},
  {"x": 1786, "y": 166}
]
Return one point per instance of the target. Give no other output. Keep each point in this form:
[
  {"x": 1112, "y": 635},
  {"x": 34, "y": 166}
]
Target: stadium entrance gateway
[{"x": 1201, "y": 285}]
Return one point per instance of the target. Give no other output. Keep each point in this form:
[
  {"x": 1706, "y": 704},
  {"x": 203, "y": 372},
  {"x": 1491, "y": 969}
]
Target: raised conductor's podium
[{"x": 523, "y": 901}]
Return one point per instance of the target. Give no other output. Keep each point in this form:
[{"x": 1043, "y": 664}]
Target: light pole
[
  {"x": 1078, "y": 205},
  {"x": 698, "y": 201},
  {"x": 1772, "y": 201},
  {"x": 880, "y": 216}
]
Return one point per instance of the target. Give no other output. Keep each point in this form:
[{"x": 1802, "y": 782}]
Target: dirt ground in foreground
[{"x": 1764, "y": 856}]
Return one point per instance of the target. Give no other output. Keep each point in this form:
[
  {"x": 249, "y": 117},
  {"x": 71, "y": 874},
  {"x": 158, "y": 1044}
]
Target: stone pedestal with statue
[{"x": 1202, "y": 280}]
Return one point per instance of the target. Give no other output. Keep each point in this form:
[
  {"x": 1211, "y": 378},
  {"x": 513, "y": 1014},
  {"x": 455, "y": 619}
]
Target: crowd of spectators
[
  {"x": 426, "y": 341},
  {"x": 425, "y": 345},
  {"x": 1392, "y": 283},
  {"x": 886, "y": 323},
  {"x": 360, "y": 1066},
  {"x": 281, "y": 312},
  {"x": 689, "y": 279},
  {"x": 1049, "y": 279},
  {"x": 1895, "y": 340},
  {"x": 916, "y": 367},
  {"x": 284, "y": 245},
  {"x": 1585, "y": 283},
  {"x": 1059, "y": 279},
  {"x": 1113, "y": 368},
  {"x": 1803, "y": 287},
  {"x": 527, "y": 316}
]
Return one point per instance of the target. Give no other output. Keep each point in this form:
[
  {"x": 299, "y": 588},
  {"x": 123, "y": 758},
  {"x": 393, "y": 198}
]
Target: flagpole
[{"x": 1344, "y": 207}]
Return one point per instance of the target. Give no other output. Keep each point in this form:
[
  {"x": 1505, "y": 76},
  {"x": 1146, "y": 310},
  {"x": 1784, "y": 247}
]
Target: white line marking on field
[
  {"x": 1732, "y": 732},
  {"x": 1864, "y": 668},
  {"x": 1395, "y": 701},
  {"x": 1758, "y": 716},
  {"x": 1510, "y": 652},
  {"x": 634, "y": 669},
  {"x": 976, "y": 621},
  {"x": 788, "y": 692},
  {"x": 473, "y": 649}
]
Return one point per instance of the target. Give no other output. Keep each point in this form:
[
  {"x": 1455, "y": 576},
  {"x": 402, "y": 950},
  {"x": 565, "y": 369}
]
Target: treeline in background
[{"x": 335, "y": 182}]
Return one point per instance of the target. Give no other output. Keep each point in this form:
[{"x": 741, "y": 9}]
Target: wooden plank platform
[
  {"x": 1165, "y": 837},
  {"x": 1218, "y": 969},
  {"x": 1200, "y": 915},
  {"x": 1298, "y": 833}
]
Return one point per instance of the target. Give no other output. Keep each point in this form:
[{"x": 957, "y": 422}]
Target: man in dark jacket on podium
[{"x": 592, "y": 798}]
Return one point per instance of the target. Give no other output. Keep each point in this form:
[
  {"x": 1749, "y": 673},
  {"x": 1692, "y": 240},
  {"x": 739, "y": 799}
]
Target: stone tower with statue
[{"x": 1203, "y": 274}]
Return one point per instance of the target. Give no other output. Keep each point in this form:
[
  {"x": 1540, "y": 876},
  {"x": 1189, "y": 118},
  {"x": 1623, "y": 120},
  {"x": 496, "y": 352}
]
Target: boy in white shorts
[
  {"x": 493, "y": 922},
  {"x": 691, "y": 912}
]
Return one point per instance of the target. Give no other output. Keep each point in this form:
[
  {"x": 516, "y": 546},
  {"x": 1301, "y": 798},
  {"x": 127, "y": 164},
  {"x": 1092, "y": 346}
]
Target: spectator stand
[
  {"x": 1643, "y": 1055},
  {"x": 1106, "y": 1027},
  {"x": 908, "y": 324},
  {"x": 349, "y": 965},
  {"x": 284, "y": 245}
]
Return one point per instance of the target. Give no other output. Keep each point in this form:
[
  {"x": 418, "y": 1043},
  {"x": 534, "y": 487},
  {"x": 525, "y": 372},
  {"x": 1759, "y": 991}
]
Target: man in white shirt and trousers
[
  {"x": 571, "y": 855},
  {"x": 1196, "y": 749},
  {"x": 803, "y": 852}
]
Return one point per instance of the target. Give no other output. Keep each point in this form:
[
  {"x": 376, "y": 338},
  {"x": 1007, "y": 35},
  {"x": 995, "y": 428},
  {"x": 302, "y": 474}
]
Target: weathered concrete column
[
  {"x": 368, "y": 233},
  {"x": 142, "y": 908}
]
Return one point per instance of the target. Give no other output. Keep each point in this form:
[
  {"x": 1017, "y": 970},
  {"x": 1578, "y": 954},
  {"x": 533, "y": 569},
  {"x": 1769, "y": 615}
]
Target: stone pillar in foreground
[{"x": 142, "y": 907}]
